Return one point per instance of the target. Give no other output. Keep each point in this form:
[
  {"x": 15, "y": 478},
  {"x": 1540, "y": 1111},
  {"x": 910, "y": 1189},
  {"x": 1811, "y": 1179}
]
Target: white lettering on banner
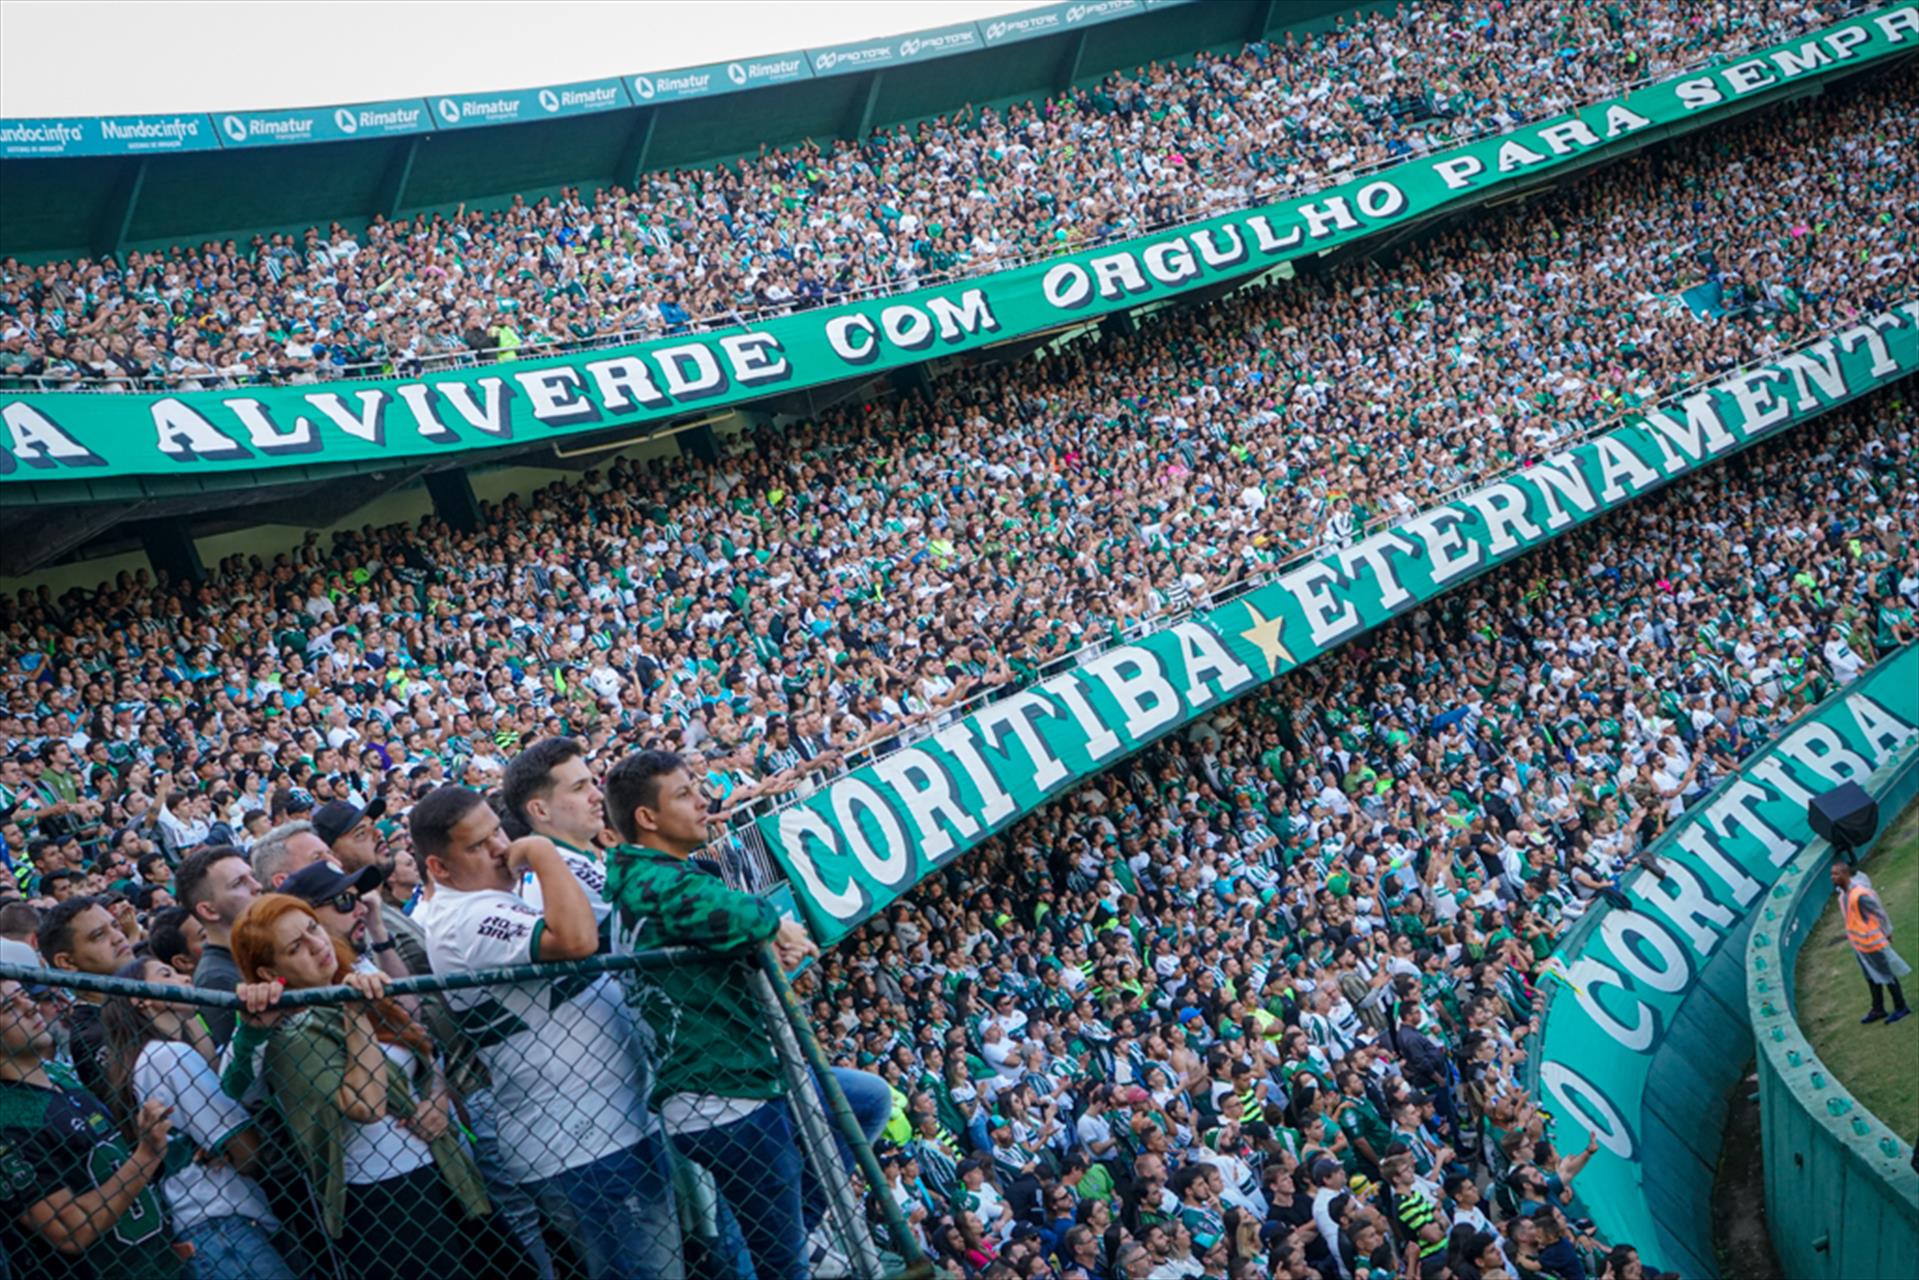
[
  {"x": 1819, "y": 748},
  {"x": 1702, "y": 435},
  {"x": 419, "y": 398},
  {"x": 1020, "y": 713},
  {"x": 1066, "y": 689},
  {"x": 181, "y": 432},
  {"x": 1868, "y": 333},
  {"x": 925, "y": 790},
  {"x": 1451, "y": 552},
  {"x": 1843, "y": 41},
  {"x": 1514, "y": 154},
  {"x": 1210, "y": 250},
  {"x": 1622, "y": 119},
  {"x": 1898, "y": 25},
  {"x": 34, "y": 438},
  {"x": 972, "y": 314},
  {"x": 756, "y": 358},
  {"x": 1697, "y": 841},
  {"x": 1884, "y": 732},
  {"x": 1334, "y": 216},
  {"x": 1618, "y": 463},
  {"x": 957, "y": 741},
  {"x": 1744, "y": 77},
  {"x": 1502, "y": 509},
  {"x": 1760, "y": 405},
  {"x": 1772, "y": 772},
  {"x": 1816, "y": 364},
  {"x": 1587, "y": 974},
  {"x": 1118, "y": 275},
  {"x": 1171, "y": 262},
  {"x": 1371, "y": 551},
  {"x": 1459, "y": 171},
  {"x": 1331, "y": 618},
  {"x": 1573, "y": 1091},
  {"x": 1694, "y": 94},
  {"x": 1564, "y": 138},
  {"x": 1681, "y": 897},
  {"x": 490, "y": 414},
  {"x": 1137, "y": 681},
  {"x": 1380, "y": 200},
  {"x": 852, "y": 338},
  {"x": 1623, "y": 929},
  {"x": 557, "y": 395},
  {"x": 1737, "y": 808},
  {"x": 1268, "y": 241},
  {"x": 1207, "y": 659},
  {"x": 890, "y": 865},
  {"x": 1559, "y": 480},
  {"x": 368, "y": 423},
  {"x": 691, "y": 371},
  {"x": 797, "y": 826},
  {"x": 266, "y": 435}
]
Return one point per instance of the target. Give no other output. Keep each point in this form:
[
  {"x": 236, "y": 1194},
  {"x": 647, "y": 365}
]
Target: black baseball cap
[
  {"x": 322, "y": 881},
  {"x": 337, "y": 817}
]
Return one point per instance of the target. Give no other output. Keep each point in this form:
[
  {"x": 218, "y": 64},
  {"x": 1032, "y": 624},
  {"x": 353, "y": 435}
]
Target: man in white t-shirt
[
  {"x": 567, "y": 1089},
  {"x": 550, "y": 789}
]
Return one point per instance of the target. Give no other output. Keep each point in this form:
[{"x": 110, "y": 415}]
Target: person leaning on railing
[
  {"x": 73, "y": 1195},
  {"x": 719, "y": 1091},
  {"x": 161, "y": 1051},
  {"x": 359, "y": 1088},
  {"x": 561, "y": 1052}
]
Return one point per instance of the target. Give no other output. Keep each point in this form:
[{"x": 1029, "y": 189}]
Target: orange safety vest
[{"x": 1865, "y": 933}]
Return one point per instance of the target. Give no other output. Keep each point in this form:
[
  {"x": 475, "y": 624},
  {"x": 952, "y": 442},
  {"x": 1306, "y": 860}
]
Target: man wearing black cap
[
  {"x": 354, "y": 840},
  {"x": 350, "y": 831}
]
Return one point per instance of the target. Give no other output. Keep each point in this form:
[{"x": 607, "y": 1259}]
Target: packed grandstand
[{"x": 421, "y": 896}]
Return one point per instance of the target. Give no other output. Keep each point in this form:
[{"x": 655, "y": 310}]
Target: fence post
[{"x": 794, "y": 1035}]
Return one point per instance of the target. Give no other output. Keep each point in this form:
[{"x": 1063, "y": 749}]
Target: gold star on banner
[{"x": 1264, "y": 635}]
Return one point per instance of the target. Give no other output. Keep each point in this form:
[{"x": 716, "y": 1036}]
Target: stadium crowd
[
  {"x": 836, "y": 584},
  {"x": 1255, "y": 1003},
  {"x": 822, "y": 222}
]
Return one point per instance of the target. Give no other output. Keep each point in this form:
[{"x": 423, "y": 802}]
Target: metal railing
[
  {"x": 512, "y": 1140},
  {"x": 735, "y": 318}
]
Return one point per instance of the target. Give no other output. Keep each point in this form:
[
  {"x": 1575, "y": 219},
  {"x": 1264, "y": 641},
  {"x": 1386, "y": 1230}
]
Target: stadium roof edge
[{"x": 61, "y": 137}]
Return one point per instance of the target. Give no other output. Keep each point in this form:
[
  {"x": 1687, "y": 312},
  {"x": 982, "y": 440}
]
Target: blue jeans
[
  {"x": 871, "y": 1099},
  {"x": 233, "y": 1248},
  {"x": 622, "y": 1207},
  {"x": 515, "y": 1205},
  {"x": 756, "y": 1167}
]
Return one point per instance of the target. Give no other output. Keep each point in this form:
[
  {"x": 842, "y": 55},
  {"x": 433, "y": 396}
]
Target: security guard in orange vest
[{"x": 1869, "y": 930}]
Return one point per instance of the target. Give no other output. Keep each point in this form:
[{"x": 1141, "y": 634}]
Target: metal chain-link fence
[{"x": 666, "y": 1115}]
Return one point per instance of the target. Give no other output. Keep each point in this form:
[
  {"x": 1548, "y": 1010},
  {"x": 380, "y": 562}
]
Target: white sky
[{"x": 112, "y": 57}]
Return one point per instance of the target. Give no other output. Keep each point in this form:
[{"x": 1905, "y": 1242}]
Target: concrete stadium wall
[
  {"x": 1842, "y": 1197},
  {"x": 1646, "y": 1029}
]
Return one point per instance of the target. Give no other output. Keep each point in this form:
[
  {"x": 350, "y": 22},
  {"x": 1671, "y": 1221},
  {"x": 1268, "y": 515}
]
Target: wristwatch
[{"x": 387, "y": 945}]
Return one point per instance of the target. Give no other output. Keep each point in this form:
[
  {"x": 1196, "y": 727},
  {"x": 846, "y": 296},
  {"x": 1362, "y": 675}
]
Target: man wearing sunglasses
[{"x": 347, "y": 905}]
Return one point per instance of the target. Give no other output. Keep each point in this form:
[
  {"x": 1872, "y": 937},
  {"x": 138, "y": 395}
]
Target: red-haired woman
[{"x": 360, "y": 1091}]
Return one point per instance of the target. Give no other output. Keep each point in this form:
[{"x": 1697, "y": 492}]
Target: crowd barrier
[
  {"x": 528, "y": 1144},
  {"x": 1842, "y": 1194},
  {"x": 1645, "y": 1031}
]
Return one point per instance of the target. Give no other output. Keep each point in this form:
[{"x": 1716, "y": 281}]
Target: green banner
[
  {"x": 872, "y": 835},
  {"x": 1640, "y": 1045},
  {"x": 52, "y": 436}
]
